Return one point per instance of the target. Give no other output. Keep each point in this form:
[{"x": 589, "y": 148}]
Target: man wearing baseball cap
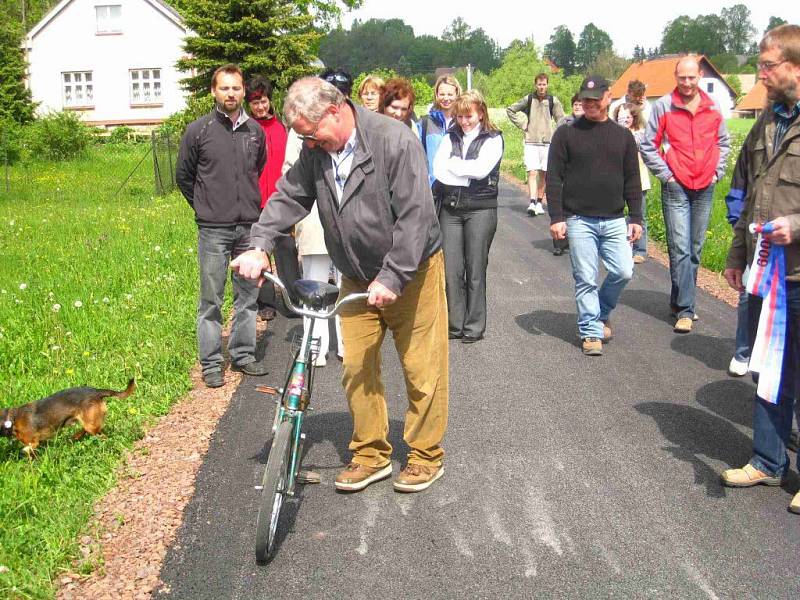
[{"x": 593, "y": 174}]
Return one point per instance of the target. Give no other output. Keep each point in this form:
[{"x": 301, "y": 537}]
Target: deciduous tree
[
  {"x": 739, "y": 30},
  {"x": 591, "y": 43},
  {"x": 561, "y": 49}
]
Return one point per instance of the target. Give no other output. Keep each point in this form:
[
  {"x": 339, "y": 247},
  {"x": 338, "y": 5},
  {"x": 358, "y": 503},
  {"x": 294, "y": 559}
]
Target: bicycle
[{"x": 285, "y": 455}]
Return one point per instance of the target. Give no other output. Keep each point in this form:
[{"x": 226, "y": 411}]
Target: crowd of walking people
[{"x": 405, "y": 209}]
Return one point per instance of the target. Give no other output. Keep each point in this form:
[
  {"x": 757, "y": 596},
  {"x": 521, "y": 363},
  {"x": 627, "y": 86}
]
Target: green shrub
[
  {"x": 57, "y": 136},
  {"x": 10, "y": 141},
  {"x": 195, "y": 108},
  {"x": 121, "y": 135}
]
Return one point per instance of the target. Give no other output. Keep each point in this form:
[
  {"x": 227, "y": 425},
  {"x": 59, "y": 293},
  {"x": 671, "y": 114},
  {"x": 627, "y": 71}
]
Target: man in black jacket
[{"x": 221, "y": 157}]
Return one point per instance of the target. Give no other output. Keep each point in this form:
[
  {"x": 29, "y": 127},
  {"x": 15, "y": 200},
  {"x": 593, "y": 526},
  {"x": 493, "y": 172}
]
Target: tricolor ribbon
[{"x": 768, "y": 280}]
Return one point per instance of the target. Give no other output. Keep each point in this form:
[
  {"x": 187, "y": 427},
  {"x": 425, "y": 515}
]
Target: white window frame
[
  {"x": 108, "y": 23},
  {"x": 77, "y": 89},
  {"x": 145, "y": 86}
]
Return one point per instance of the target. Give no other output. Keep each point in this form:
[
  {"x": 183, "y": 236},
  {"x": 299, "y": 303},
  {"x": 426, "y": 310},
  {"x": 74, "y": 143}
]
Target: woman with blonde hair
[
  {"x": 467, "y": 172},
  {"x": 370, "y": 92},
  {"x": 434, "y": 126}
]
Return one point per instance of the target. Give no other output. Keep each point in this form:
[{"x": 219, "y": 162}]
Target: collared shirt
[
  {"x": 783, "y": 120},
  {"x": 243, "y": 116},
  {"x": 342, "y": 162}
]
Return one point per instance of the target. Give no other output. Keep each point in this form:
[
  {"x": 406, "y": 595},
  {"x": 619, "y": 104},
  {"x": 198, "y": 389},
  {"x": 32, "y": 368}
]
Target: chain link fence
[{"x": 165, "y": 153}]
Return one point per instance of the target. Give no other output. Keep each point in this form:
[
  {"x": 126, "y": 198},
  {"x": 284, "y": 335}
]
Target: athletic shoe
[
  {"x": 532, "y": 208},
  {"x": 213, "y": 379},
  {"x": 748, "y": 476},
  {"x": 607, "y": 333},
  {"x": 252, "y": 368},
  {"x": 738, "y": 368},
  {"x": 415, "y": 478},
  {"x": 356, "y": 477},
  {"x": 794, "y": 505},
  {"x": 538, "y": 209}
]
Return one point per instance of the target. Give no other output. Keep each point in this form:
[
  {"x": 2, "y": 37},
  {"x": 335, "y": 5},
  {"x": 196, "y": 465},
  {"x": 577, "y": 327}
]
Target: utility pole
[{"x": 469, "y": 77}]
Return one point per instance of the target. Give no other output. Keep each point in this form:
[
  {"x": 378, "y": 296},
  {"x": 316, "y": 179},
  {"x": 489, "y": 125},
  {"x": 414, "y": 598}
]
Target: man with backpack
[{"x": 540, "y": 114}]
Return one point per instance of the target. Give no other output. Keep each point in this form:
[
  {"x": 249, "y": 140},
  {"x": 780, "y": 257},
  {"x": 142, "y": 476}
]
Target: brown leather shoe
[
  {"x": 592, "y": 346},
  {"x": 607, "y": 333},
  {"x": 415, "y": 478},
  {"x": 683, "y": 325},
  {"x": 356, "y": 476},
  {"x": 748, "y": 476}
]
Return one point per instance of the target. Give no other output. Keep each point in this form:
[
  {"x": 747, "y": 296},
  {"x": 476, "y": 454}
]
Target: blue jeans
[
  {"x": 686, "y": 214},
  {"x": 215, "y": 248},
  {"x": 772, "y": 423},
  {"x": 742, "y": 350},
  {"x": 640, "y": 245},
  {"x": 591, "y": 238}
]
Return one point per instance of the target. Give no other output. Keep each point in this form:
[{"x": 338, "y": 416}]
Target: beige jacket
[
  {"x": 308, "y": 233},
  {"x": 773, "y": 190},
  {"x": 539, "y": 124}
]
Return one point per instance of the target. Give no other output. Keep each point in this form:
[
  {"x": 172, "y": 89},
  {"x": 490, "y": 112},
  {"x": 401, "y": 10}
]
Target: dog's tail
[{"x": 124, "y": 393}]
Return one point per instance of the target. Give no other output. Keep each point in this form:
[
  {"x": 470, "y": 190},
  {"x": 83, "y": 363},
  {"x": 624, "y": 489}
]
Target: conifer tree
[{"x": 15, "y": 99}]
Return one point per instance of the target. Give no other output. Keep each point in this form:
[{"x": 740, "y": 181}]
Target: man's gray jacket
[{"x": 385, "y": 225}]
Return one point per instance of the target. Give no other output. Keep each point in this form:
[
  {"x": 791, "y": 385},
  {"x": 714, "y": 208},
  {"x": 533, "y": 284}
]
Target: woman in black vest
[{"x": 467, "y": 171}]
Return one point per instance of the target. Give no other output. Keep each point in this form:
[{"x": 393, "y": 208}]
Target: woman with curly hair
[
  {"x": 398, "y": 102},
  {"x": 467, "y": 172}
]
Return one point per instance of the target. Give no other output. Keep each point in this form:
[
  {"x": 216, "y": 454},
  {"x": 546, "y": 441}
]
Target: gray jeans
[{"x": 215, "y": 248}]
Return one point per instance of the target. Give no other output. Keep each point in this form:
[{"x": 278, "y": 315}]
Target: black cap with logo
[{"x": 593, "y": 86}]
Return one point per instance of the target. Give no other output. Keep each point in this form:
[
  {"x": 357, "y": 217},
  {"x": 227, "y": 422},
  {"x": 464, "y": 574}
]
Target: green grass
[
  {"x": 94, "y": 289},
  {"x": 719, "y": 233}
]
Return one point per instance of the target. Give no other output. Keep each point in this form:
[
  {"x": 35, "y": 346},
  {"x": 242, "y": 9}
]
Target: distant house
[
  {"x": 658, "y": 75},
  {"x": 753, "y": 103},
  {"x": 111, "y": 60}
]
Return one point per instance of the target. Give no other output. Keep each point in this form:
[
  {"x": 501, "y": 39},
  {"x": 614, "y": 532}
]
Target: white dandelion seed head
[
  {"x": 56, "y": 307},
  {"x": 23, "y": 286},
  {"x": 106, "y": 300},
  {"x": 77, "y": 304}
]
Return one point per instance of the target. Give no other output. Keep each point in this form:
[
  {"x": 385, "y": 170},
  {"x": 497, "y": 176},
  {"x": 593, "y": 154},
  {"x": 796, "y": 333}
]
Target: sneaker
[
  {"x": 538, "y": 209},
  {"x": 592, "y": 346},
  {"x": 683, "y": 325},
  {"x": 213, "y": 379},
  {"x": 638, "y": 259},
  {"x": 607, "y": 333},
  {"x": 415, "y": 478},
  {"x": 747, "y": 476},
  {"x": 794, "y": 505},
  {"x": 320, "y": 361},
  {"x": 252, "y": 368},
  {"x": 356, "y": 476},
  {"x": 738, "y": 368},
  {"x": 531, "y": 210}
]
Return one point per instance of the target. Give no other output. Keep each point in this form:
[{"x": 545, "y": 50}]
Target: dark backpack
[{"x": 550, "y": 104}]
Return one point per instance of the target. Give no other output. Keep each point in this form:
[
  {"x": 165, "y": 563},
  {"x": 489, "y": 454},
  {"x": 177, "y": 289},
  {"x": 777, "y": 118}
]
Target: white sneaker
[
  {"x": 538, "y": 209},
  {"x": 738, "y": 368},
  {"x": 320, "y": 361},
  {"x": 532, "y": 208}
]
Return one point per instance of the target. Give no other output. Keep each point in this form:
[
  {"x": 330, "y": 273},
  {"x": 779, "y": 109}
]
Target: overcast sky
[{"x": 640, "y": 23}]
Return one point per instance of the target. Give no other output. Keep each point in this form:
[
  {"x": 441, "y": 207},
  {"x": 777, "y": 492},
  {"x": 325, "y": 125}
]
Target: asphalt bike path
[{"x": 565, "y": 476}]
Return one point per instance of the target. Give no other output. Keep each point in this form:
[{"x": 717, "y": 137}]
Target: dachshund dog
[{"x": 38, "y": 421}]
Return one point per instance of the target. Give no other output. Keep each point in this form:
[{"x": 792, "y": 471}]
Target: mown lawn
[
  {"x": 719, "y": 231},
  {"x": 95, "y": 288}
]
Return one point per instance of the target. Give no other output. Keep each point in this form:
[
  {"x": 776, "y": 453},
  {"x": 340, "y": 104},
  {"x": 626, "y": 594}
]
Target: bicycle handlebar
[{"x": 307, "y": 312}]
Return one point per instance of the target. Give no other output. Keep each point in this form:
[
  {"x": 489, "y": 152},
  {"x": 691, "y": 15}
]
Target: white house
[{"x": 112, "y": 60}]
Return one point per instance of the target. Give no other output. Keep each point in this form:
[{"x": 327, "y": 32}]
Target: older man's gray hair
[{"x": 309, "y": 97}]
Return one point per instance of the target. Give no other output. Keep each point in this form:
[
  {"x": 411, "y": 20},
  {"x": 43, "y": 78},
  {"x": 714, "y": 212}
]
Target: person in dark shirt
[{"x": 593, "y": 174}]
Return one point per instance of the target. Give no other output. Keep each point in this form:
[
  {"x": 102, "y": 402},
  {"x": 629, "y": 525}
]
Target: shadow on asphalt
[
  {"x": 547, "y": 245},
  {"x": 649, "y": 302},
  {"x": 547, "y": 322},
  {"x": 729, "y": 398},
  {"x": 695, "y": 435},
  {"x": 714, "y": 352}
]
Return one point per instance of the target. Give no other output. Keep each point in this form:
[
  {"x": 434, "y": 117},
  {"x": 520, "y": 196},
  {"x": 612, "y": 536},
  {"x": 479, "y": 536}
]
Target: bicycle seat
[{"x": 316, "y": 294}]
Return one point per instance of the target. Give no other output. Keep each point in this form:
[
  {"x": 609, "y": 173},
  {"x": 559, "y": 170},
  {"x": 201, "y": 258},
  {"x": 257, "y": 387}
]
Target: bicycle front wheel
[{"x": 275, "y": 484}]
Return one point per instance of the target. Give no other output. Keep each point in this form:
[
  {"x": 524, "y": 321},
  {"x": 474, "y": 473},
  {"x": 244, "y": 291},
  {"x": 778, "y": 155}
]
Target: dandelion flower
[
  {"x": 106, "y": 300},
  {"x": 77, "y": 304},
  {"x": 70, "y": 371},
  {"x": 23, "y": 286},
  {"x": 56, "y": 307},
  {"x": 68, "y": 334},
  {"x": 55, "y": 348},
  {"x": 86, "y": 353},
  {"x": 157, "y": 248}
]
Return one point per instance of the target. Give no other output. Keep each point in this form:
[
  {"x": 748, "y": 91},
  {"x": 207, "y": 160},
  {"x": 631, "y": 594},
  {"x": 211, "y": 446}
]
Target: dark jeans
[
  {"x": 772, "y": 423},
  {"x": 216, "y": 246},
  {"x": 467, "y": 236},
  {"x": 686, "y": 214}
]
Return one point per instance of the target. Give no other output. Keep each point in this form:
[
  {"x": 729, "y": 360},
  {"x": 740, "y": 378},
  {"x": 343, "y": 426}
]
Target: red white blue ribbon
[{"x": 768, "y": 280}]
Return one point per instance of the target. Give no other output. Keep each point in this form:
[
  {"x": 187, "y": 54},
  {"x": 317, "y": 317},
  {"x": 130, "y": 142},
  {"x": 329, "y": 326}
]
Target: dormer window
[{"x": 109, "y": 18}]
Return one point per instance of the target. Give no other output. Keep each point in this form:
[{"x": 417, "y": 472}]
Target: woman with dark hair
[
  {"x": 259, "y": 99},
  {"x": 398, "y": 102},
  {"x": 434, "y": 125},
  {"x": 467, "y": 172}
]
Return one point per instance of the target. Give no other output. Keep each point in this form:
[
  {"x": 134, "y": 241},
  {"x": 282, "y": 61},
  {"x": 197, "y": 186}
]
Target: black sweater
[{"x": 593, "y": 171}]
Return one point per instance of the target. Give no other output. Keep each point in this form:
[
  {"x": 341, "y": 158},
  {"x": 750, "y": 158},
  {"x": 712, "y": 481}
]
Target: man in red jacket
[{"x": 685, "y": 146}]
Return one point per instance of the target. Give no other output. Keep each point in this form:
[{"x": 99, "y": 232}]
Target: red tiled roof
[{"x": 755, "y": 98}]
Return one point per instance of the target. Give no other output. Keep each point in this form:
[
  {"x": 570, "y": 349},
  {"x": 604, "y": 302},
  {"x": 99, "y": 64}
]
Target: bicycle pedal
[
  {"x": 309, "y": 477},
  {"x": 267, "y": 389}
]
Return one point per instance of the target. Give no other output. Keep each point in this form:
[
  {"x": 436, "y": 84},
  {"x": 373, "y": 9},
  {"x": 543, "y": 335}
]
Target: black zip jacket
[{"x": 218, "y": 170}]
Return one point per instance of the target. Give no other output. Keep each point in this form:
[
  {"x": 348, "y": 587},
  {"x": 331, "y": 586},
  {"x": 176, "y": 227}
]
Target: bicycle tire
[{"x": 272, "y": 492}]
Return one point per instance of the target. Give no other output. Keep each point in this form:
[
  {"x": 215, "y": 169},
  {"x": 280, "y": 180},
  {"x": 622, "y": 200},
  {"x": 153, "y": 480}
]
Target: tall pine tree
[
  {"x": 15, "y": 99},
  {"x": 277, "y": 38}
]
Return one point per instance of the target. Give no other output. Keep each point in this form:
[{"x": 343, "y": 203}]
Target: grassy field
[
  {"x": 95, "y": 288},
  {"x": 719, "y": 231}
]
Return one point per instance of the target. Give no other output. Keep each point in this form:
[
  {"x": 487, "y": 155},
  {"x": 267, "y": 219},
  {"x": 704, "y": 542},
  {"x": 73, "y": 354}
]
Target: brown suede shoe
[
  {"x": 592, "y": 346},
  {"x": 356, "y": 477},
  {"x": 415, "y": 478},
  {"x": 747, "y": 476},
  {"x": 683, "y": 325},
  {"x": 607, "y": 333}
]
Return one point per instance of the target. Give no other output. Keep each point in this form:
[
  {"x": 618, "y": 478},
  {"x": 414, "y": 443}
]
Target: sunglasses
[{"x": 338, "y": 77}]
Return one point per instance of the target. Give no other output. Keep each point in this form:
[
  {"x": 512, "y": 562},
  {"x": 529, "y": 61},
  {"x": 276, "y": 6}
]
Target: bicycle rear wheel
[{"x": 276, "y": 480}]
